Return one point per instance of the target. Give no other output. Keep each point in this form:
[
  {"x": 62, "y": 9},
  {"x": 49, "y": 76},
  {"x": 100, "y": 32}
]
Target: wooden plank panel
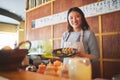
[
  {"x": 93, "y": 23},
  {"x": 62, "y": 5},
  {"x": 56, "y": 44},
  {"x": 35, "y": 34},
  {"x": 43, "y": 33},
  {"x": 98, "y": 41},
  {"x": 40, "y": 34},
  {"x": 95, "y": 69},
  {"x": 111, "y": 22},
  {"x": 111, "y": 46},
  {"x": 111, "y": 69},
  {"x": 59, "y": 29},
  {"x": 39, "y": 12},
  {"x": 85, "y": 2}
]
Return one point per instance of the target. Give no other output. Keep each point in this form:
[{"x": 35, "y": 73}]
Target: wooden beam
[{"x": 10, "y": 14}]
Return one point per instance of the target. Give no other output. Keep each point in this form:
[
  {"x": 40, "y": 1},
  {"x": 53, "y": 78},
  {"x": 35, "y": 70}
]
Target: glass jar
[{"x": 79, "y": 69}]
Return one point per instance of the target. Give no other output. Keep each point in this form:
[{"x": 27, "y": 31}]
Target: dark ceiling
[{"x": 10, "y": 14}]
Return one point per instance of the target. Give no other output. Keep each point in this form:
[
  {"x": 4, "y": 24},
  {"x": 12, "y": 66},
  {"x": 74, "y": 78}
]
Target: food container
[
  {"x": 12, "y": 59},
  {"x": 64, "y": 52},
  {"x": 79, "y": 68}
]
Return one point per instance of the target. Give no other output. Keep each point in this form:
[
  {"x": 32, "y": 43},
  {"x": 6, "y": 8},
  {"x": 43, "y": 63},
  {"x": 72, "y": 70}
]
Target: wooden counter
[{"x": 26, "y": 75}]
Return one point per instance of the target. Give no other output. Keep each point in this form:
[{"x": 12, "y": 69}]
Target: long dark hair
[{"x": 84, "y": 26}]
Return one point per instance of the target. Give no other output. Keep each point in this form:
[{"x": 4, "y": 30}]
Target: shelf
[{"x": 37, "y": 6}]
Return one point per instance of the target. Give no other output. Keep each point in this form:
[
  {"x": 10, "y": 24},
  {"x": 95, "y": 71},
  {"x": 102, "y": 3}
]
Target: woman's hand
[
  {"x": 82, "y": 54},
  {"x": 77, "y": 54}
]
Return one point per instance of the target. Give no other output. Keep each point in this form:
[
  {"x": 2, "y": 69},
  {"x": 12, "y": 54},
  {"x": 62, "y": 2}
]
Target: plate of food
[{"x": 64, "y": 52}]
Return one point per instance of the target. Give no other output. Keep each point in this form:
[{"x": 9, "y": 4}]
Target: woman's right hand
[{"x": 77, "y": 54}]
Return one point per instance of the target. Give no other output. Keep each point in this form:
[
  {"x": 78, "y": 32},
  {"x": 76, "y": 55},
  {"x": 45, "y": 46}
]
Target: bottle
[
  {"x": 41, "y": 68},
  {"x": 63, "y": 71},
  {"x": 50, "y": 69},
  {"x": 56, "y": 63}
]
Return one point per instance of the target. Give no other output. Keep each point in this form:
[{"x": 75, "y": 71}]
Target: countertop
[{"x": 27, "y": 75}]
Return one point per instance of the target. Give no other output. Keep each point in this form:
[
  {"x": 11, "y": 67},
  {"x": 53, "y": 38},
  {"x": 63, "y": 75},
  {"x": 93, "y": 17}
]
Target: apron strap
[
  {"x": 68, "y": 36},
  {"x": 81, "y": 40},
  {"x": 82, "y": 34}
]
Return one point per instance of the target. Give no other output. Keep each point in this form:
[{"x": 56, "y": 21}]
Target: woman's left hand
[
  {"x": 82, "y": 54},
  {"x": 77, "y": 54}
]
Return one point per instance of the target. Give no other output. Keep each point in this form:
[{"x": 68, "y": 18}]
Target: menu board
[{"x": 98, "y": 8}]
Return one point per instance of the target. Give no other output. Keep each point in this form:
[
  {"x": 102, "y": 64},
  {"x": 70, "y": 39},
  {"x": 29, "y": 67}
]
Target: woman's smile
[{"x": 75, "y": 19}]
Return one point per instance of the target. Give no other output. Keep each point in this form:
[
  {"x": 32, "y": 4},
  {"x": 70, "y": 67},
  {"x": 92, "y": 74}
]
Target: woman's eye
[
  {"x": 71, "y": 17},
  {"x": 78, "y": 16}
]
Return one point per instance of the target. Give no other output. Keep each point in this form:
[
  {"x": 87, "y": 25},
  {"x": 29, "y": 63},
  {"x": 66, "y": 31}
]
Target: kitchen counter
[{"x": 27, "y": 75}]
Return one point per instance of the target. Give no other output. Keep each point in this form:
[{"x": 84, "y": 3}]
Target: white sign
[{"x": 94, "y": 9}]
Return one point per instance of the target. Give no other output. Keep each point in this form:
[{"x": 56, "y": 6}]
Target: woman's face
[{"x": 75, "y": 20}]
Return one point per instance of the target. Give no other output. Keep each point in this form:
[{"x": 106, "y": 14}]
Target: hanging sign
[{"x": 98, "y": 8}]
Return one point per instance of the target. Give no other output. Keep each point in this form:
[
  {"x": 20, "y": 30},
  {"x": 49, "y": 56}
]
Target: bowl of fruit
[{"x": 64, "y": 52}]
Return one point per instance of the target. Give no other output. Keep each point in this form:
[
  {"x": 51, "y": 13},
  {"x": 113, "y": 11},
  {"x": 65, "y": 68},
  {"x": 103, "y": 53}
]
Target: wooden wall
[{"x": 106, "y": 28}]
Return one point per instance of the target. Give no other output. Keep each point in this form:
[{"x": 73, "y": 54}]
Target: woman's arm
[{"x": 93, "y": 46}]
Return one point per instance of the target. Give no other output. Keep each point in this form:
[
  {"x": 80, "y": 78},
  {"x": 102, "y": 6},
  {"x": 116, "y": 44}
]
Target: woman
[{"x": 79, "y": 35}]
